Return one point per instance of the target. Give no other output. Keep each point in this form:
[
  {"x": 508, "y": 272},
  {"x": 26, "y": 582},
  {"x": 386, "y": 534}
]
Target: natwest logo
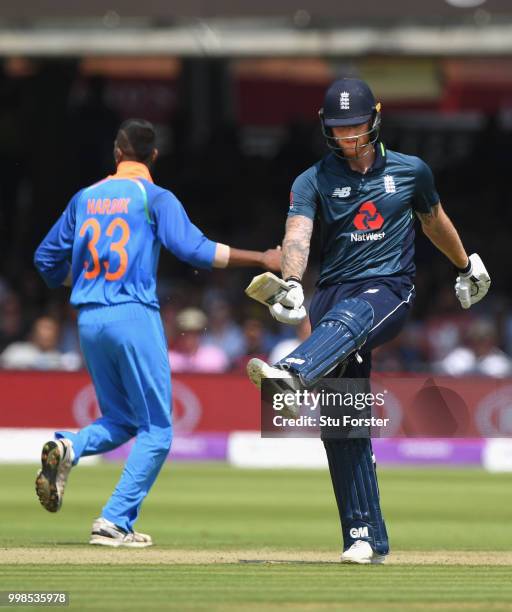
[{"x": 368, "y": 217}]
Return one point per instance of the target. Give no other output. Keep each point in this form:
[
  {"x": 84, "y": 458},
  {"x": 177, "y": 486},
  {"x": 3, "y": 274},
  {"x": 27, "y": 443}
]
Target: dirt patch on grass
[{"x": 90, "y": 555}]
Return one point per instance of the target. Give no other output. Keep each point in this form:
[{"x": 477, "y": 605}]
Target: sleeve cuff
[
  {"x": 467, "y": 270},
  {"x": 221, "y": 257}
]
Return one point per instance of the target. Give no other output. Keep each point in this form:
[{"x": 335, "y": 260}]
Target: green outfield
[{"x": 230, "y": 539}]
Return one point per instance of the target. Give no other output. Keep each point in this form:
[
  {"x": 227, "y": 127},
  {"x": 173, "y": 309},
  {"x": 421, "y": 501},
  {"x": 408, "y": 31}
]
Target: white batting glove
[
  {"x": 473, "y": 285},
  {"x": 290, "y": 316},
  {"x": 295, "y": 296}
]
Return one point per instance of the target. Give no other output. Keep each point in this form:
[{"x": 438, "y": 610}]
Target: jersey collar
[
  {"x": 378, "y": 163},
  {"x": 380, "y": 157},
  {"x": 132, "y": 170}
]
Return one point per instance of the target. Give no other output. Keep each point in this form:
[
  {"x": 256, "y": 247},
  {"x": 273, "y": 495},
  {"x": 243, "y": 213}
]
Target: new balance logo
[
  {"x": 359, "y": 532},
  {"x": 389, "y": 184},
  {"x": 344, "y": 100},
  {"x": 341, "y": 192}
]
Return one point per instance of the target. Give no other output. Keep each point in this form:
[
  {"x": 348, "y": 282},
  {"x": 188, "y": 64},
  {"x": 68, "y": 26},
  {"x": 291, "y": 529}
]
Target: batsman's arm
[
  {"x": 439, "y": 229},
  {"x": 296, "y": 245}
]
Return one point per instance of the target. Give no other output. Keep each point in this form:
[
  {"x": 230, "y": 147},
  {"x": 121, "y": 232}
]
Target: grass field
[{"x": 229, "y": 539}]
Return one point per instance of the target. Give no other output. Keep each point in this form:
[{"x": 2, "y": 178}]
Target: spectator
[
  {"x": 445, "y": 329},
  {"x": 189, "y": 354},
  {"x": 223, "y": 332},
  {"x": 40, "y": 352},
  {"x": 480, "y": 355},
  {"x": 402, "y": 354},
  {"x": 254, "y": 334},
  {"x": 69, "y": 341},
  {"x": 12, "y": 321}
]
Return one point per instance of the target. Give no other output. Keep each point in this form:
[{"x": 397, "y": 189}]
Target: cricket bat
[{"x": 267, "y": 288}]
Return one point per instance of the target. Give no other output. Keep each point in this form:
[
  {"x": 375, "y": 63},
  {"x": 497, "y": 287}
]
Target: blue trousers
[
  {"x": 125, "y": 351},
  {"x": 391, "y": 299},
  {"x": 351, "y": 461}
]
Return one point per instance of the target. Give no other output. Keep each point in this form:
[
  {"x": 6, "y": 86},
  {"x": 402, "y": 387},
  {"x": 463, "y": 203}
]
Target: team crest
[
  {"x": 345, "y": 100},
  {"x": 389, "y": 184}
]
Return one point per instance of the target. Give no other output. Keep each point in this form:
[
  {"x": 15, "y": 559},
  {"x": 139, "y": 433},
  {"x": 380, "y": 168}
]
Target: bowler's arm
[
  {"x": 296, "y": 246},
  {"x": 439, "y": 229},
  {"x": 229, "y": 257}
]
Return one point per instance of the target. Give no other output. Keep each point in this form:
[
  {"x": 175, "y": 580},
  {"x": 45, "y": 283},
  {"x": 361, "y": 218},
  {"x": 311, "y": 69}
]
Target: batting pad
[
  {"x": 340, "y": 332},
  {"x": 354, "y": 481}
]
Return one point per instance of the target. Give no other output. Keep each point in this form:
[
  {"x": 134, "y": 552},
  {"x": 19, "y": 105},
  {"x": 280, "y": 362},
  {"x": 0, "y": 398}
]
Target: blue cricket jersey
[
  {"x": 110, "y": 236},
  {"x": 366, "y": 220}
]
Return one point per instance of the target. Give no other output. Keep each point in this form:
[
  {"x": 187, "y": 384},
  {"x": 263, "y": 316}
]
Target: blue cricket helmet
[{"x": 349, "y": 101}]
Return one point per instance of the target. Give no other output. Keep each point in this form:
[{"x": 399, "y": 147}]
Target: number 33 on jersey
[{"x": 115, "y": 247}]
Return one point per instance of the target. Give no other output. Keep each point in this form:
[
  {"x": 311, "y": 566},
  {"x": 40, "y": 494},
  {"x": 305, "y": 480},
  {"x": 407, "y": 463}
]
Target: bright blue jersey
[
  {"x": 366, "y": 220},
  {"x": 110, "y": 236}
]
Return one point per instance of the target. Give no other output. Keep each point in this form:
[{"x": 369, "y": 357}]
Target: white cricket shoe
[
  {"x": 258, "y": 370},
  {"x": 106, "y": 533},
  {"x": 56, "y": 462},
  {"x": 361, "y": 552}
]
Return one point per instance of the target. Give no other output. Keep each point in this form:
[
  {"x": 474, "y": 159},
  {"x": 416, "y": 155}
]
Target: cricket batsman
[
  {"x": 364, "y": 198},
  {"x": 106, "y": 246}
]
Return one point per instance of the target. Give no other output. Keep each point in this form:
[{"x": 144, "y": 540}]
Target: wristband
[
  {"x": 292, "y": 278},
  {"x": 467, "y": 270}
]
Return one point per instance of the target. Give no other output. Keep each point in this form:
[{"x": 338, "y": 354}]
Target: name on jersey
[{"x": 107, "y": 206}]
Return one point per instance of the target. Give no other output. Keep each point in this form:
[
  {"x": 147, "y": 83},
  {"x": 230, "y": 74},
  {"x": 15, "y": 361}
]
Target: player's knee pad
[
  {"x": 354, "y": 479},
  {"x": 340, "y": 332}
]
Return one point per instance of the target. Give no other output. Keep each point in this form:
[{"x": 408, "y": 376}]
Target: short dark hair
[{"x": 136, "y": 138}]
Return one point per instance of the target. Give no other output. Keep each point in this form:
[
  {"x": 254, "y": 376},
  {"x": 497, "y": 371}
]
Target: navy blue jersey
[{"x": 366, "y": 220}]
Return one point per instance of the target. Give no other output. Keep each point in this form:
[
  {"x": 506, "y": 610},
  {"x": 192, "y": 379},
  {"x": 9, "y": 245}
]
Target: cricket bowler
[
  {"x": 106, "y": 246},
  {"x": 364, "y": 198}
]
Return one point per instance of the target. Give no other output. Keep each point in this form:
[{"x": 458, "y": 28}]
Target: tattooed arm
[
  {"x": 438, "y": 227},
  {"x": 295, "y": 251},
  {"x": 296, "y": 246}
]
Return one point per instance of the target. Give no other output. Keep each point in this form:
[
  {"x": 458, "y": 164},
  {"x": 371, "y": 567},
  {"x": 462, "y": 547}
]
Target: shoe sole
[
  {"x": 46, "y": 485},
  {"x": 373, "y": 561},
  {"x": 99, "y": 540},
  {"x": 255, "y": 371},
  {"x": 138, "y": 544}
]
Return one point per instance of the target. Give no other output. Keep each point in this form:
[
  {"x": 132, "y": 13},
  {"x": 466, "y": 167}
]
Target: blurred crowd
[
  {"x": 209, "y": 337},
  {"x": 237, "y": 193}
]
